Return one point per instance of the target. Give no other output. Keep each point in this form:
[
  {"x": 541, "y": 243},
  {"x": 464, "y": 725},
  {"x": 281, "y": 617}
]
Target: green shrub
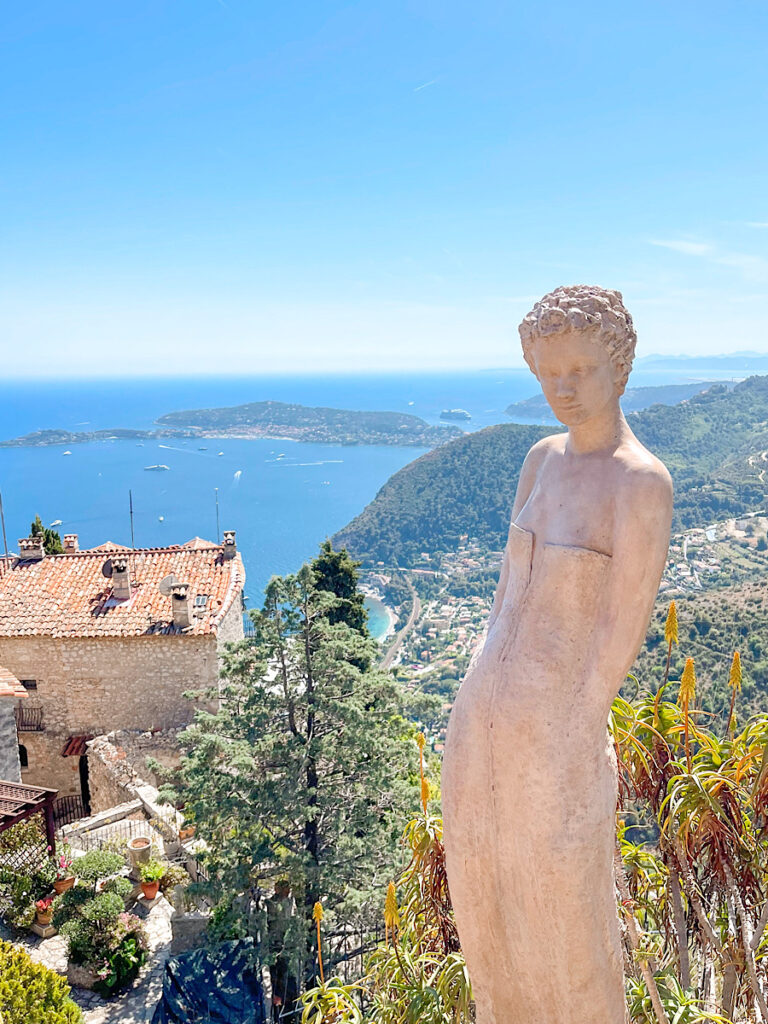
[
  {"x": 31, "y": 993},
  {"x": 19, "y": 895},
  {"x": 124, "y": 963},
  {"x": 97, "y": 864},
  {"x": 174, "y": 875},
  {"x": 103, "y": 909},
  {"x": 122, "y": 887},
  {"x": 68, "y": 905}
]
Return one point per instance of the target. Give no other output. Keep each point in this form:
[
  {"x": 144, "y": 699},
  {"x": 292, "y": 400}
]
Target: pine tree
[
  {"x": 51, "y": 538},
  {"x": 305, "y": 770},
  {"x": 336, "y": 572}
]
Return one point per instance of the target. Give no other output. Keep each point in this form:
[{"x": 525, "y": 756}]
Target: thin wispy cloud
[
  {"x": 757, "y": 223},
  {"x": 425, "y": 85},
  {"x": 680, "y": 245},
  {"x": 754, "y": 268}
]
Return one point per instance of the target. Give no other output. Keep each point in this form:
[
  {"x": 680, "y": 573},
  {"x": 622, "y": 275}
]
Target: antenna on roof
[
  {"x": 2, "y": 519},
  {"x": 218, "y": 531},
  {"x": 167, "y": 584},
  {"x": 130, "y": 508}
]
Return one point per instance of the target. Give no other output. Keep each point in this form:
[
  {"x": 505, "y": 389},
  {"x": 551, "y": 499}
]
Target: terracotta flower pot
[
  {"x": 149, "y": 889},
  {"x": 44, "y": 917},
  {"x": 62, "y": 884}
]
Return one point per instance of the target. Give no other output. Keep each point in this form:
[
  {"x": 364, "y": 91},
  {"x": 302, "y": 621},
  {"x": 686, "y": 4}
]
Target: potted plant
[
  {"x": 150, "y": 874},
  {"x": 64, "y": 878},
  {"x": 44, "y": 911}
]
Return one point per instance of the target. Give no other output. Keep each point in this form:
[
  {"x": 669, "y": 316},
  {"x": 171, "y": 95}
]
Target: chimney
[
  {"x": 121, "y": 578},
  {"x": 229, "y": 545},
  {"x": 70, "y": 543},
  {"x": 181, "y": 605},
  {"x": 32, "y": 549}
]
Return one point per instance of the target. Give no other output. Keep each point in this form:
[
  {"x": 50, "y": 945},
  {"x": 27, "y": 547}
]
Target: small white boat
[
  {"x": 156, "y": 469},
  {"x": 220, "y": 453},
  {"x": 202, "y": 449},
  {"x": 161, "y": 519},
  {"x": 66, "y": 453},
  {"x": 56, "y": 522},
  {"x": 238, "y": 474}
]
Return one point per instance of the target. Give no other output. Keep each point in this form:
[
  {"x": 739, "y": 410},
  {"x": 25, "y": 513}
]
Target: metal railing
[
  {"x": 29, "y": 719},
  {"x": 67, "y": 809}
]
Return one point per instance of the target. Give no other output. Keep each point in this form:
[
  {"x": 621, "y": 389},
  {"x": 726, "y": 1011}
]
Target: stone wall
[
  {"x": 93, "y": 685},
  {"x": 89, "y": 686},
  {"x": 46, "y": 765},
  {"x": 112, "y": 779},
  {"x": 231, "y": 626},
  {"x": 10, "y": 770}
]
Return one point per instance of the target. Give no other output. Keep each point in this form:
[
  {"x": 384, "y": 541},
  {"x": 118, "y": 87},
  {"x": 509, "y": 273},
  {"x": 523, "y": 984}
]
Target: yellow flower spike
[
  {"x": 421, "y": 741},
  {"x": 670, "y": 637},
  {"x": 670, "y": 626},
  {"x": 687, "y": 684},
  {"x": 317, "y": 915},
  {"x": 391, "y": 913},
  {"x": 685, "y": 696},
  {"x": 734, "y": 680}
]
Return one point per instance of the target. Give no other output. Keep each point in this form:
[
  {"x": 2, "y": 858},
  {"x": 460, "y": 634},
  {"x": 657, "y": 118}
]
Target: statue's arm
[
  {"x": 641, "y": 540},
  {"x": 525, "y": 484}
]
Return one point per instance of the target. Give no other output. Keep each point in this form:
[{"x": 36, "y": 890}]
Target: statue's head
[{"x": 580, "y": 343}]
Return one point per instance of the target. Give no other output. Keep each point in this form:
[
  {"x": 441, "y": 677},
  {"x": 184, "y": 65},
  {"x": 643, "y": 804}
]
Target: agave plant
[{"x": 692, "y": 881}]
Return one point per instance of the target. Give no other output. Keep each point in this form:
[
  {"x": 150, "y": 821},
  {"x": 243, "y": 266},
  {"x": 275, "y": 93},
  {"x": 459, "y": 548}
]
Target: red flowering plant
[
  {"x": 44, "y": 905},
  {"x": 63, "y": 861}
]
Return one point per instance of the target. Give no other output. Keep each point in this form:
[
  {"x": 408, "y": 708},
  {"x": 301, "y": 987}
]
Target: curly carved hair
[{"x": 583, "y": 307}]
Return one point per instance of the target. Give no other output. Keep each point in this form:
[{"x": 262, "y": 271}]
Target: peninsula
[
  {"x": 536, "y": 410},
  {"x": 265, "y": 420}
]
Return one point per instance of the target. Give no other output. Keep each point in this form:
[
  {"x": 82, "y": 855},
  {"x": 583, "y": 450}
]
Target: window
[
  {"x": 23, "y": 757},
  {"x": 29, "y": 684},
  {"x": 201, "y": 600}
]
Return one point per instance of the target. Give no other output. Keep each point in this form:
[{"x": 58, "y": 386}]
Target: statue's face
[{"x": 576, "y": 374}]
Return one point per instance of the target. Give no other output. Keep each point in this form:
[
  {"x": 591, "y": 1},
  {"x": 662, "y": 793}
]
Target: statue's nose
[{"x": 564, "y": 387}]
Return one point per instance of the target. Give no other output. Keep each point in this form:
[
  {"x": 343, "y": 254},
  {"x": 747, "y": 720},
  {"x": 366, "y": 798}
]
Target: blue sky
[{"x": 222, "y": 185}]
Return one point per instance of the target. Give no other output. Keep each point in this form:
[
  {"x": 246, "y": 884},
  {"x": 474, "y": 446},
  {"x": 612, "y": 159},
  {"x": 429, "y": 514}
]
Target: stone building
[{"x": 111, "y": 638}]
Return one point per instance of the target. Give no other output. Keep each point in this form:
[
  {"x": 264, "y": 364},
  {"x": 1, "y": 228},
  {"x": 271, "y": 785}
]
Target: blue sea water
[{"x": 283, "y": 498}]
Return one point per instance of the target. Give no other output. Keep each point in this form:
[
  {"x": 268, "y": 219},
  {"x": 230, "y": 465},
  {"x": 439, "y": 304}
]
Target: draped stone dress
[{"x": 529, "y": 799}]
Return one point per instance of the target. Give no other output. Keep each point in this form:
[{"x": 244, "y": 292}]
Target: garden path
[{"x": 135, "y": 1006}]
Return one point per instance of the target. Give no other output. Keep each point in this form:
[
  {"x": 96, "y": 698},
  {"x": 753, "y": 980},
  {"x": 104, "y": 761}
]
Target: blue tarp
[{"x": 221, "y": 985}]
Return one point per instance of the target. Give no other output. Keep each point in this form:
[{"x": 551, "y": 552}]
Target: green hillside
[
  {"x": 713, "y": 445},
  {"x": 633, "y": 399}
]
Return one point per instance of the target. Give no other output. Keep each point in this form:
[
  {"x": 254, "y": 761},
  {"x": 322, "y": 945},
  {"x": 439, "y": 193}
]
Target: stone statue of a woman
[{"x": 529, "y": 776}]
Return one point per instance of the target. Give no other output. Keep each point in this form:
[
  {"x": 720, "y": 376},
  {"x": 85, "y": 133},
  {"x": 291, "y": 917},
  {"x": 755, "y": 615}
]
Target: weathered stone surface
[
  {"x": 10, "y": 769},
  {"x": 529, "y": 777}
]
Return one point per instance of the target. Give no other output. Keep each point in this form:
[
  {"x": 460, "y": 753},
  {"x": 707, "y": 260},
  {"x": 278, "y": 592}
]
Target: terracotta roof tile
[
  {"x": 68, "y": 596},
  {"x": 10, "y": 685}
]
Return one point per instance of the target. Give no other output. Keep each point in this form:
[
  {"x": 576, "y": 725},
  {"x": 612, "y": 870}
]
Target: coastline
[{"x": 373, "y": 599}]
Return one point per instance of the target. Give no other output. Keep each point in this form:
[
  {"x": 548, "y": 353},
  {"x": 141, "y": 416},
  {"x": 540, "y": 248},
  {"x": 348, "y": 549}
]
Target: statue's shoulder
[
  {"x": 552, "y": 443},
  {"x": 642, "y": 473}
]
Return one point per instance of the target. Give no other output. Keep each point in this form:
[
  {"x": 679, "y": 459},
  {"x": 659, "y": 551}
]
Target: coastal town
[{"x": 433, "y": 649}]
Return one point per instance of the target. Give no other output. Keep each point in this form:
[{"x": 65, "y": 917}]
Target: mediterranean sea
[{"x": 283, "y": 498}]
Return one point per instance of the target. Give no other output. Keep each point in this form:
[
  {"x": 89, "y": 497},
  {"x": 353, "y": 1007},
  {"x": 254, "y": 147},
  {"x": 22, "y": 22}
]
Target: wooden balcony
[{"x": 29, "y": 719}]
